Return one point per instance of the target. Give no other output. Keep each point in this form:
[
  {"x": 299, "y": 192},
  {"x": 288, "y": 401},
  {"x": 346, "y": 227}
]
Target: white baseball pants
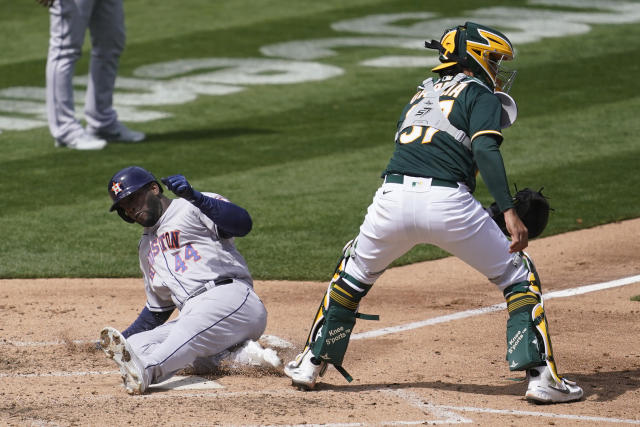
[{"x": 414, "y": 212}]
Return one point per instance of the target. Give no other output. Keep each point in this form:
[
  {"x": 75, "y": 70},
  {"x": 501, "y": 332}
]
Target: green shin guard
[
  {"x": 332, "y": 343},
  {"x": 339, "y": 315},
  {"x": 528, "y": 339},
  {"x": 525, "y": 349}
]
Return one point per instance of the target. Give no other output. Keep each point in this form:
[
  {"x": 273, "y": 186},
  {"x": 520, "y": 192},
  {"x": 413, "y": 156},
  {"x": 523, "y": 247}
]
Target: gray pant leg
[
  {"x": 68, "y": 24},
  {"x": 207, "y": 325},
  {"x": 144, "y": 343},
  {"x": 106, "y": 27}
]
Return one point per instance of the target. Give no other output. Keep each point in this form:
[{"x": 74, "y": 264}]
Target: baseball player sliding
[
  {"x": 188, "y": 261},
  {"x": 449, "y": 130}
]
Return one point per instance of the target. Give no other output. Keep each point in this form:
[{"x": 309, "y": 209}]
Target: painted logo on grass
[{"x": 181, "y": 81}]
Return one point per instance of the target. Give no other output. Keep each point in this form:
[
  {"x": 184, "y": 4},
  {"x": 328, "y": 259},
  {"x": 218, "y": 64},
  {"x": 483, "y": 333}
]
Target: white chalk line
[
  {"x": 44, "y": 343},
  {"x": 496, "y": 307},
  {"x": 59, "y": 374},
  {"x": 270, "y": 340},
  {"x": 177, "y": 382},
  {"x": 408, "y": 326},
  {"x": 445, "y": 414}
]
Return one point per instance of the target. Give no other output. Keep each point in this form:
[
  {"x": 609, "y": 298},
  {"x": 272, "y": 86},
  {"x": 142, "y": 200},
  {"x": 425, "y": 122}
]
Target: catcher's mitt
[{"x": 532, "y": 208}]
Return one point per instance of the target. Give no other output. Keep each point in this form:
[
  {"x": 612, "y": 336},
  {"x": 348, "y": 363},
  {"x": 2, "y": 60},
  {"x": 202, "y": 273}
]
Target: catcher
[{"x": 449, "y": 130}]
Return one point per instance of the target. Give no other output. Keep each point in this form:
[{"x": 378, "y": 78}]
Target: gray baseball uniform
[
  {"x": 187, "y": 265},
  {"x": 69, "y": 20}
]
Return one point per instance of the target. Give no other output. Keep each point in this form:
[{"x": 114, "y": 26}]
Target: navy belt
[
  {"x": 393, "y": 178},
  {"x": 204, "y": 288}
]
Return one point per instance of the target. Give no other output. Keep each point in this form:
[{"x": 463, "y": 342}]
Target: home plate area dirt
[{"x": 437, "y": 355}]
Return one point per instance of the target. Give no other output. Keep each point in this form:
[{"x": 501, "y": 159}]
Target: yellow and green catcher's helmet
[{"x": 479, "y": 48}]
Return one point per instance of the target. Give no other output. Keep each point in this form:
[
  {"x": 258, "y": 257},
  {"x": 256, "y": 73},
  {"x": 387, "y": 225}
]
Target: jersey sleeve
[
  {"x": 484, "y": 118},
  {"x": 491, "y": 166},
  {"x": 208, "y": 222}
]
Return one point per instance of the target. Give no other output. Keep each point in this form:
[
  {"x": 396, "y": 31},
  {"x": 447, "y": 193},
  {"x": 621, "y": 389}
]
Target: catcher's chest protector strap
[{"x": 427, "y": 112}]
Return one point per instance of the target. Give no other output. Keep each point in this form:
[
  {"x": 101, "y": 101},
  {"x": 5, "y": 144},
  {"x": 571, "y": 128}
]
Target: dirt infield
[{"x": 444, "y": 363}]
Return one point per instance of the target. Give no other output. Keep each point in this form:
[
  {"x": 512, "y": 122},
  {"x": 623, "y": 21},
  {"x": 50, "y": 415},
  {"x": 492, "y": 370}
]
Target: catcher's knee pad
[
  {"x": 528, "y": 339},
  {"x": 516, "y": 271},
  {"x": 353, "y": 264}
]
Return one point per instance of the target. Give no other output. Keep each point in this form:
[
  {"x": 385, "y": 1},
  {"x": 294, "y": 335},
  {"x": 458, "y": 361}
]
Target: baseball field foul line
[
  {"x": 497, "y": 307},
  {"x": 59, "y": 374},
  {"x": 445, "y": 414},
  {"x": 415, "y": 325}
]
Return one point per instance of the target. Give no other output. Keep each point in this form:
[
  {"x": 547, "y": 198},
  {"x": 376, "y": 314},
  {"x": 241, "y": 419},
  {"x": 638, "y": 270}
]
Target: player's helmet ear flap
[
  {"x": 449, "y": 48},
  {"x": 479, "y": 48},
  {"x": 126, "y": 182}
]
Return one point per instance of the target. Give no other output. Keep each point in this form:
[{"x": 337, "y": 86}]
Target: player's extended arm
[
  {"x": 146, "y": 321},
  {"x": 486, "y": 152},
  {"x": 231, "y": 219}
]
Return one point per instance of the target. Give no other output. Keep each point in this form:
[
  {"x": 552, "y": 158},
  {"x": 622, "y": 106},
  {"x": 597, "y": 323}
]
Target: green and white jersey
[{"x": 425, "y": 151}]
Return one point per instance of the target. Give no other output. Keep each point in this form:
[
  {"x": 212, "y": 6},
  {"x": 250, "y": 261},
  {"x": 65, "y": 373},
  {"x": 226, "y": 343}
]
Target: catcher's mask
[
  {"x": 126, "y": 182},
  {"x": 479, "y": 48}
]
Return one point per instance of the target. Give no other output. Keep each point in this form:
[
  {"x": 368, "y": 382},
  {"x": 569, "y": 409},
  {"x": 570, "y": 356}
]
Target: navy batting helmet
[{"x": 126, "y": 182}]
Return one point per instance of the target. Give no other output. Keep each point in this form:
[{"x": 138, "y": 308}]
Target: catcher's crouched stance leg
[
  {"x": 332, "y": 326},
  {"x": 529, "y": 344}
]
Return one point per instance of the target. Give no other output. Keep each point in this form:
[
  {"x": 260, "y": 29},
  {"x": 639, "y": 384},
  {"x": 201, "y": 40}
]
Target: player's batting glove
[{"x": 181, "y": 188}]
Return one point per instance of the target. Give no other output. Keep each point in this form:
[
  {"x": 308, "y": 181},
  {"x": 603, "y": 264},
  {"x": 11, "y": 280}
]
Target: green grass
[{"x": 305, "y": 158}]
